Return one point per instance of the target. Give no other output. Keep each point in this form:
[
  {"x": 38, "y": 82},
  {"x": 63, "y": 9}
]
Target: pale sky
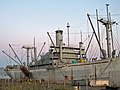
[{"x": 22, "y": 20}]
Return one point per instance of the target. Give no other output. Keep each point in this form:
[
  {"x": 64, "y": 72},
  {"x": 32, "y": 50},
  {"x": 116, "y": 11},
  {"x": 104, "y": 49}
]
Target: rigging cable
[
  {"x": 117, "y": 43},
  {"x": 6, "y": 59},
  {"x": 94, "y": 51}
]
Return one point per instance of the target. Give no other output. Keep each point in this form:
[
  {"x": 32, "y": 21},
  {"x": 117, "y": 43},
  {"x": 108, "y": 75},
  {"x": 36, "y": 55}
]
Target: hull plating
[{"x": 105, "y": 69}]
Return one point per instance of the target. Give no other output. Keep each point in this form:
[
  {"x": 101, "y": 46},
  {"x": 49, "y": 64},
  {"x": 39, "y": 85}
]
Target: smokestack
[{"x": 59, "y": 38}]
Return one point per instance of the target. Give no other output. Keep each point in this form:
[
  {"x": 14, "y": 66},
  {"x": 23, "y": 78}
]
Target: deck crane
[
  {"x": 22, "y": 67},
  {"x": 28, "y": 49}
]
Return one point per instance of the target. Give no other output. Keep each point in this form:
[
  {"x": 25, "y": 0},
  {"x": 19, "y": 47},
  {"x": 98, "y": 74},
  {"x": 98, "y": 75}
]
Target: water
[{"x": 3, "y": 74}]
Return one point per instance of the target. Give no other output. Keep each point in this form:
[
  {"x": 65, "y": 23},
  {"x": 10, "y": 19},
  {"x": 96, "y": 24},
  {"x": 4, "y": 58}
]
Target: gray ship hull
[{"x": 107, "y": 69}]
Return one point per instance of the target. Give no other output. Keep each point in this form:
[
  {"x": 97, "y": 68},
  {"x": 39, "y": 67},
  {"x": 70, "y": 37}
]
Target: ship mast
[
  {"x": 80, "y": 45},
  {"x": 68, "y": 26},
  {"x": 98, "y": 25},
  {"x": 113, "y": 49},
  {"x": 98, "y": 28},
  {"x": 28, "y": 49},
  {"x": 35, "y": 52},
  {"x": 108, "y": 25},
  {"x": 108, "y": 33}
]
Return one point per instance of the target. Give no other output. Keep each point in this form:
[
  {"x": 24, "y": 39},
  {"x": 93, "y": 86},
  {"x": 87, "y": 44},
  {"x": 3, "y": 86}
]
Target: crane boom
[
  {"x": 11, "y": 57},
  {"x": 41, "y": 50},
  {"x": 95, "y": 35},
  {"x": 52, "y": 41},
  {"x": 15, "y": 54}
]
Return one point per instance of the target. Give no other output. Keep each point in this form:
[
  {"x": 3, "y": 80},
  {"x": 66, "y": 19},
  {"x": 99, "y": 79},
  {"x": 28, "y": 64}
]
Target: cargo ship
[{"x": 71, "y": 63}]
